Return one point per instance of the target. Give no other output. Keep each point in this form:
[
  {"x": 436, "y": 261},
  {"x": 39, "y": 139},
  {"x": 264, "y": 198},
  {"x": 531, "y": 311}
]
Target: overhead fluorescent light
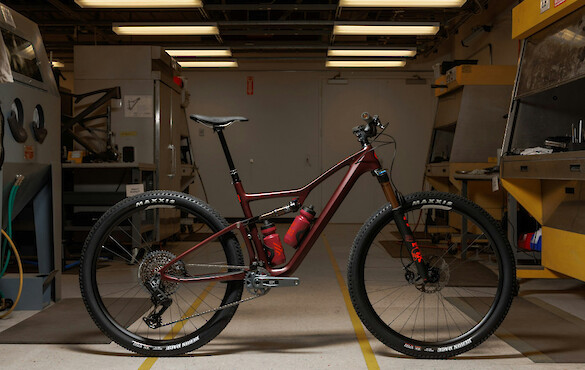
[
  {"x": 365, "y": 52},
  {"x": 164, "y": 29},
  {"x": 365, "y": 63},
  {"x": 209, "y": 64},
  {"x": 199, "y": 52},
  {"x": 139, "y": 3},
  {"x": 394, "y": 29},
  {"x": 403, "y": 3},
  {"x": 56, "y": 64}
]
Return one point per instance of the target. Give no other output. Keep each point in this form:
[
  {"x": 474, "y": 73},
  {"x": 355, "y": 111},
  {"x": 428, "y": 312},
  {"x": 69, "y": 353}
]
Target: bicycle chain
[
  {"x": 217, "y": 308},
  {"x": 212, "y": 310}
]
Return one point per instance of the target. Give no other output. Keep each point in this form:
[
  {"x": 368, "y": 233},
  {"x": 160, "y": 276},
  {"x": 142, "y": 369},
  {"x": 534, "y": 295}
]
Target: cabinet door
[{"x": 168, "y": 155}]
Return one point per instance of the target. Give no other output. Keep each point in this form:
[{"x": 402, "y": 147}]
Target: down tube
[{"x": 367, "y": 163}]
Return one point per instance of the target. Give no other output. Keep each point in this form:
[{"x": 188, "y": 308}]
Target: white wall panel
[
  {"x": 408, "y": 109},
  {"x": 300, "y": 126}
]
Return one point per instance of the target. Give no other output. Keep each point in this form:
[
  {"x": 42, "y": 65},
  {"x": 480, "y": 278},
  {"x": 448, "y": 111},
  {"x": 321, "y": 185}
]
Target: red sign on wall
[
  {"x": 250, "y": 85},
  {"x": 29, "y": 152},
  {"x": 559, "y": 2}
]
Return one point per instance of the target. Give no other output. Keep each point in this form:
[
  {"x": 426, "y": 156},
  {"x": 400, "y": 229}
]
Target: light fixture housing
[
  {"x": 386, "y": 29},
  {"x": 56, "y": 64},
  {"x": 208, "y": 64},
  {"x": 403, "y": 3},
  {"x": 165, "y": 29},
  {"x": 139, "y": 3},
  {"x": 371, "y": 52},
  {"x": 364, "y": 63},
  {"x": 203, "y": 52}
]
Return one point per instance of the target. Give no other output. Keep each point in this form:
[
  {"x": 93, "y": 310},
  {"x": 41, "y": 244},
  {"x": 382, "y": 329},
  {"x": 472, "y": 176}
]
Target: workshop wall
[
  {"x": 495, "y": 47},
  {"x": 300, "y": 125}
]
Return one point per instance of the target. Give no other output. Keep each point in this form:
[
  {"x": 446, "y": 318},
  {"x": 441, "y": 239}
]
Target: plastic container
[
  {"x": 272, "y": 244},
  {"x": 299, "y": 227}
]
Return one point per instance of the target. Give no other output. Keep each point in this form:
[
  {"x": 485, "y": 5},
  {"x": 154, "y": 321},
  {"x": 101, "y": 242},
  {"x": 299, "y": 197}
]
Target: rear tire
[
  {"x": 471, "y": 292},
  {"x": 125, "y": 249}
]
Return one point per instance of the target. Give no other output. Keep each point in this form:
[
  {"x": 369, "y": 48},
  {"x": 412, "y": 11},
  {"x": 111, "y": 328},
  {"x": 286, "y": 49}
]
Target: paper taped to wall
[{"x": 138, "y": 106}]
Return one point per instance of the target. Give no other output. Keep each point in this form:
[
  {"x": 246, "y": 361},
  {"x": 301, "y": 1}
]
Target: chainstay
[
  {"x": 243, "y": 268},
  {"x": 212, "y": 310}
]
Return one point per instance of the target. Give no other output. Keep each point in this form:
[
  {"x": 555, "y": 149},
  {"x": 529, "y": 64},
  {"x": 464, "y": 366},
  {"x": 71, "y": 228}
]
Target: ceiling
[{"x": 274, "y": 30}]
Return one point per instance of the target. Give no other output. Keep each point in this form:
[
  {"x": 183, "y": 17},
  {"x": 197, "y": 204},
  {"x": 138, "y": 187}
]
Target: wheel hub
[{"x": 438, "y": 276}]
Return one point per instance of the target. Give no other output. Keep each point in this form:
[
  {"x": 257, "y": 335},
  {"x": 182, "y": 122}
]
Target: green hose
[{"x": 11, "y": 200}]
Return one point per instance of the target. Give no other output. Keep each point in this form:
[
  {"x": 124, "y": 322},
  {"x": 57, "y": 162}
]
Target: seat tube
[
  {"x": 228, "y": 156},
  {"x": 402, "y": 223}
]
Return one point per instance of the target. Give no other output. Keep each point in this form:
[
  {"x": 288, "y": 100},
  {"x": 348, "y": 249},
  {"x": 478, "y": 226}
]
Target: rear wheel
[
  {"x": 121, "y": 286},
  {"x": 471, "y": 279}
]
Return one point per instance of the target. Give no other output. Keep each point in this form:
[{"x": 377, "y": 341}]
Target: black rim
[
  {"x": 197, "y": 330},
  {"x": 470, "y": 332}
]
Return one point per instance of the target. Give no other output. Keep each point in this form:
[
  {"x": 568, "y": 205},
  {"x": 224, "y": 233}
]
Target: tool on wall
[{"x": 69, "y": 124}]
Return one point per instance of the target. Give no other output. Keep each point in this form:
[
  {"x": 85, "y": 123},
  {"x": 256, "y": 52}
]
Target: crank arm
[{"x": 275, "y": 282}]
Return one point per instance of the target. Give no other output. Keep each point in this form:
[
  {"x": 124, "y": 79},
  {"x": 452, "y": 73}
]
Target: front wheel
[{"x": 471, "y": 280}]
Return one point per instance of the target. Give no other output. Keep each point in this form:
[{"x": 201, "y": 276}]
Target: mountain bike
[{"x": 430, "y": 274}]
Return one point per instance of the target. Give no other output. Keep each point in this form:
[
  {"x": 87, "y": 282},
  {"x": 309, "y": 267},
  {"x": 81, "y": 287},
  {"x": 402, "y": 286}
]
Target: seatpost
[{"x": 228, "y": 156}]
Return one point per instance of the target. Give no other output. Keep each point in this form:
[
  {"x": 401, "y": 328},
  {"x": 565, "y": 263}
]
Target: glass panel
[
  {"x": 23, "y": 59},
  {"x": 442, "y": 144},
  {"x": 554, "y": 55}
]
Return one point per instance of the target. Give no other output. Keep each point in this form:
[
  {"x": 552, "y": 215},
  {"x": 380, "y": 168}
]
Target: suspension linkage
[{"x": 292, "y": 206}]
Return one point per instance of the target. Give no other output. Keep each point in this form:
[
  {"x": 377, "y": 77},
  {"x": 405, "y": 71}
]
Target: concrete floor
[{"x": 303, "y": 327}]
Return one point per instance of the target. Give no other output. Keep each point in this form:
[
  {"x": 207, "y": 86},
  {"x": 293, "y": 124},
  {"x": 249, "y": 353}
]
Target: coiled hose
[
  {"x": 11, "y": 199},
  {"x": 5, "y": 252},
  {"x": 20, "y": 274}
]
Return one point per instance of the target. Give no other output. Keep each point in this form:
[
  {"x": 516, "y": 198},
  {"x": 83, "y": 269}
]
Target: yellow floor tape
[
  {"x": 149, "y": 362},
  {"x": 371, "y": 361}
]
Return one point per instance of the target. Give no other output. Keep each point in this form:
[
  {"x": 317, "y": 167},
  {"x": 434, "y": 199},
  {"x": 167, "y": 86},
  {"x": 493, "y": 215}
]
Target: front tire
[{"x": 473, "y": 277}]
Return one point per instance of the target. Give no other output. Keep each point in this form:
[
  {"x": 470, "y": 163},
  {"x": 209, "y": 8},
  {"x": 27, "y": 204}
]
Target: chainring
[{"x": 252, "y": 285}]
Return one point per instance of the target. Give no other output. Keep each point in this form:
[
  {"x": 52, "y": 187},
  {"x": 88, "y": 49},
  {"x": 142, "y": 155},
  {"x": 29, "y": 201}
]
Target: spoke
[
  {"x": 384, "y": 297},
  {"x": 122, "y": 258},
  {"x": 406, "y": 308},
  {"x": 391, "y": 303},
  {"x": 411, "y": 313},
  {"x": 416, "y": 317},
  {"x": 451, "y": 316},
  {"x": 120, "y": 245},
  {"x": 139, "y": 233}
]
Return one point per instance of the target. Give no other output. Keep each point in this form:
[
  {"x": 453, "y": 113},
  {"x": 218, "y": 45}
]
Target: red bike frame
[{"x": 359, "y": 163}]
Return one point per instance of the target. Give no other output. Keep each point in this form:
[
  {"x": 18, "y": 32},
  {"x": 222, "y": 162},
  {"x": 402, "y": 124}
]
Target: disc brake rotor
[{"x": 439, "y": 274}]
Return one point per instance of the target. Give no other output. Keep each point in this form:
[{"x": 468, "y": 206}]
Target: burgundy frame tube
[{"x": 359, "y": 163}]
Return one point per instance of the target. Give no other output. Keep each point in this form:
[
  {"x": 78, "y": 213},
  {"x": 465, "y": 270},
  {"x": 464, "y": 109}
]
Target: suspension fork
[{"x": 402, "y": 223}]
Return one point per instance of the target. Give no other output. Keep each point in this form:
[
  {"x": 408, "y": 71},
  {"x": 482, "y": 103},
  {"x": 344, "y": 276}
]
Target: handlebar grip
[{"x": 367, "y": 118}]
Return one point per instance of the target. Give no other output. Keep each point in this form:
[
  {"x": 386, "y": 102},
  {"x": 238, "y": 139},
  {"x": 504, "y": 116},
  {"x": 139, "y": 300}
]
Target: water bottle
[
  {"x": 272, "y": 244},
  {"x": 299, "y": 226}
]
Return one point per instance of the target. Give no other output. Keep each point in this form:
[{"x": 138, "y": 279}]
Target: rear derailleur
[{"x": 158, "y": 298}]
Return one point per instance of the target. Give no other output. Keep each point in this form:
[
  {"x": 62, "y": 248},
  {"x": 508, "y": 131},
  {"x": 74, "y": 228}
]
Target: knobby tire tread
[
  {"x": 506, "y": 254},
  {"x": 112, "y": 213}
]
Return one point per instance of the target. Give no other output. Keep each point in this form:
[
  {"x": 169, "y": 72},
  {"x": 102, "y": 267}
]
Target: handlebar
[{"x": 363, "y": 132}]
